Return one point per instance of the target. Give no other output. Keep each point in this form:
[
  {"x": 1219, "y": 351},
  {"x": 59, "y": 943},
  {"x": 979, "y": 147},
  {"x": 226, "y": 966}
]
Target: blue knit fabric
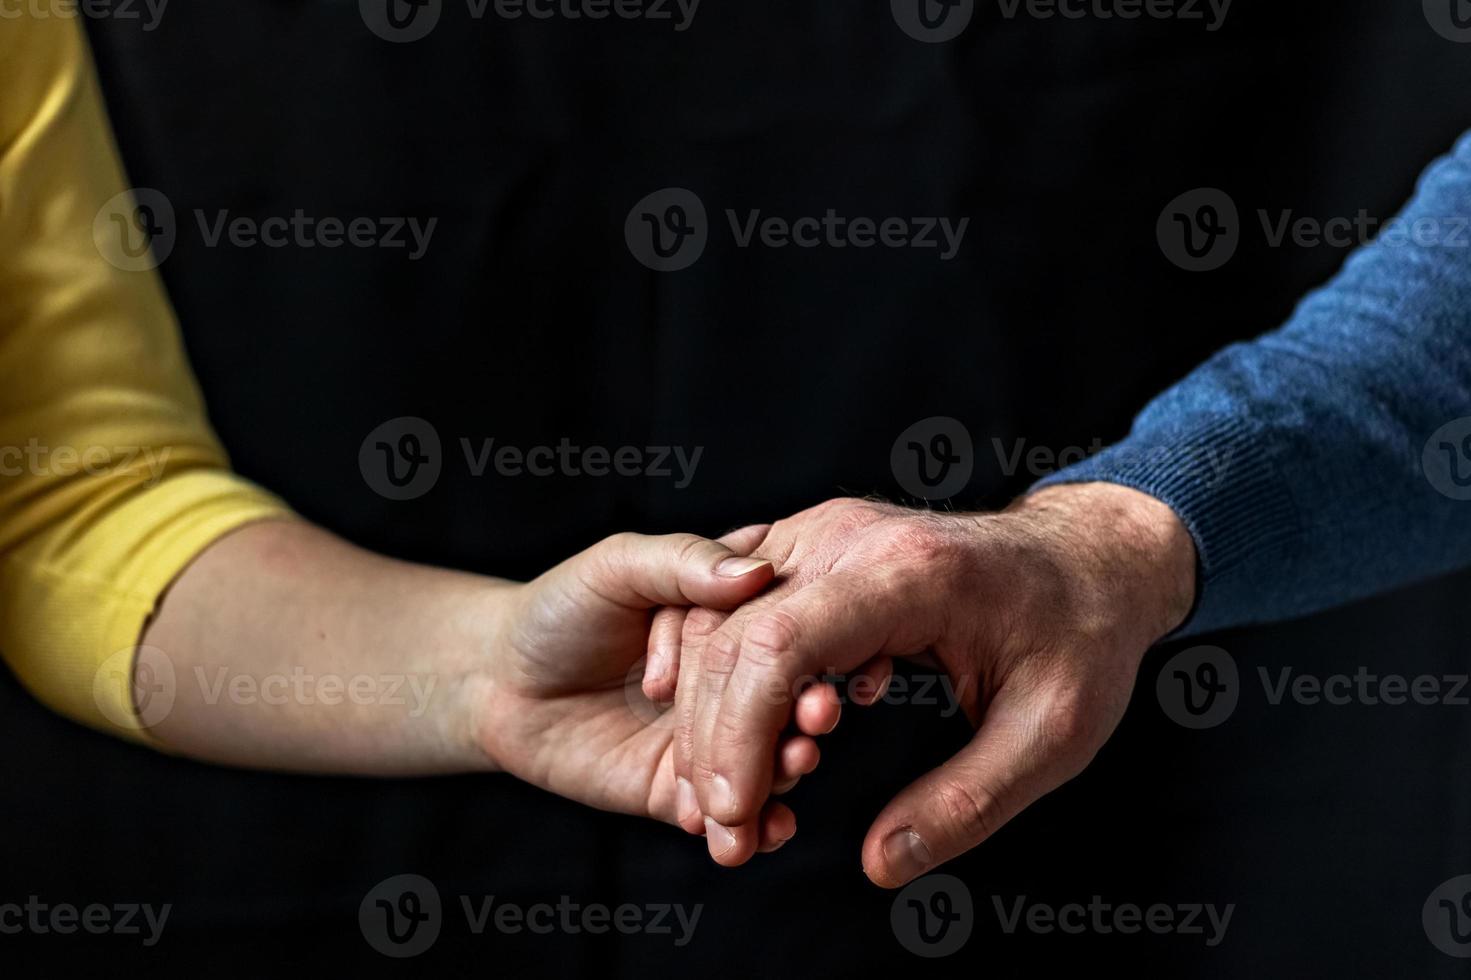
[{"x": 1330, "y": 459}]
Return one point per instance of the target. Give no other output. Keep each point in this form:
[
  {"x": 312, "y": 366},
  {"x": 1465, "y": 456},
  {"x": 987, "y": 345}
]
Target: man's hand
[{"x": 1040, "y": 615}]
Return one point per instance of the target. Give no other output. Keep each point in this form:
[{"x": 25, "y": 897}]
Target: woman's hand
[
  {"x": 284, "y": 647},
  {"x": 560, "y": 702}
]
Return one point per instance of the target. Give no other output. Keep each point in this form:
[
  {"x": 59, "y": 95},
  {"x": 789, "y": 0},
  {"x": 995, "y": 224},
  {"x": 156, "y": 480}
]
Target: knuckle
[
  {"x": 621, "y": 542},
  {"x": 615, "y": 551},
  {"x": 1068, "y": 728},
  {"x": 720, "y": 653},
  {"x": 851, "y": 517},
  {"x": 772, "y": 639},
  {"x": 702, "y": 771},
  {"x": 736, "y": 743},
  {"x": 700, "y": 622},
  {"x": 685, "y": 546},
  {"x": 970, "y": 813},
  {"x": 921, "y": 540}
]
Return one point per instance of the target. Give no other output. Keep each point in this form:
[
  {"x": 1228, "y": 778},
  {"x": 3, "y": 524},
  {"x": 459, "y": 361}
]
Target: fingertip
[
  {"x": 661, "y": 667},
  {"x": 744, "y": 576},
  {"x": 798, "y": 756},
  {"x": 871, "y": 682},
  {"x": 818, "y": 710},
  {"x": 658, "y": 688},
  {"x": 778, "y": 825},
  {"x": 687, "y": 808},
  {"x": 729, "y": 847},
  {"x": 895, "y": 856},
  {"x": 744, "y": 540},
  {"x": 729, "y": 807}
]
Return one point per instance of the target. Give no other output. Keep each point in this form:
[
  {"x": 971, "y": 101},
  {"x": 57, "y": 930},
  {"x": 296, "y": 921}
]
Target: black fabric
[{"x": 529, "y": 321}]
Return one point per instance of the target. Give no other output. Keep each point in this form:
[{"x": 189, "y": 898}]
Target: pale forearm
[{"x": 291, "y": 649}]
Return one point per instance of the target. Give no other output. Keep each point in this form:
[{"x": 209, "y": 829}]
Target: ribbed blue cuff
[{"x": 1223, "y": 482}]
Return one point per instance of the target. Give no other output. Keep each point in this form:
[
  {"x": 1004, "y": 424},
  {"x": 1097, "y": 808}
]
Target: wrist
[
  {"x": 1136, "y": 544},
  {"x": 475, "y": 713}
]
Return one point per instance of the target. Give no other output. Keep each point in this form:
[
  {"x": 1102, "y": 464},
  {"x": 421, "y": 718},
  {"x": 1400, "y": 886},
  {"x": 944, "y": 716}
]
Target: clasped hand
[{"x": 1039, "y": 615}]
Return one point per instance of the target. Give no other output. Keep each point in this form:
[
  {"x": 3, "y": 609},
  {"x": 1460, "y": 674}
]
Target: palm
[{"x": 578, "y": 723}]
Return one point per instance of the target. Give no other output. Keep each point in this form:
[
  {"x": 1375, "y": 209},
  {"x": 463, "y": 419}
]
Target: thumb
[
  {"x": 641, "y": 571},
  {"x": 1015, "y": 758}
]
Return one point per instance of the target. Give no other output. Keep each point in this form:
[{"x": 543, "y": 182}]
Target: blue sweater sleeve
[{"x": 1330, "y": 459}]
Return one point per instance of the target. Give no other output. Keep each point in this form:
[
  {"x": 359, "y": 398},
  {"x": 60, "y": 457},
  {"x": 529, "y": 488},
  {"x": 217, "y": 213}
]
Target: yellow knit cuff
[{"x": 71, "y": 615}]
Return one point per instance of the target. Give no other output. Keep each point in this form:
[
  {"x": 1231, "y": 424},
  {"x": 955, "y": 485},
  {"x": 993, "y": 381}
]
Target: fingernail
[
  {"x": 778, "y": 845},
  {"x": 685, "y": 801},
  {"x": 736, "y": 567},
  {"x": 719, "y": 838},
  {"x": 906, "y": 854},
  {"x": 883, "y": 689},
  {"x": 722, "y": 800}
]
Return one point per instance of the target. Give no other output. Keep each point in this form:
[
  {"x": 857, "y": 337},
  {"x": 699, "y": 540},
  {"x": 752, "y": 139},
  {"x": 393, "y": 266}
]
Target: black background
[{"x": 529, "y": 321}]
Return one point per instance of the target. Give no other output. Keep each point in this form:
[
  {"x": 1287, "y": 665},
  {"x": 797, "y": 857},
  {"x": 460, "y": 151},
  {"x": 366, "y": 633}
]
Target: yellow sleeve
[{"x": 111, "y": 480}]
